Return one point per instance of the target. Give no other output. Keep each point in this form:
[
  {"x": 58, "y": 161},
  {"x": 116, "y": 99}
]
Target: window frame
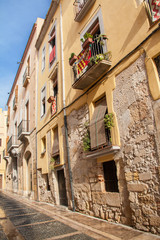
[
  {"x": 50, "y": 47},
  {"x": 43, "y": 58},
  {"x": 43, "y": 97}
]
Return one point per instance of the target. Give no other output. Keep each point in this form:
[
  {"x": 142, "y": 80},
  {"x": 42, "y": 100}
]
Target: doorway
[{"x": 62, "y": 188}]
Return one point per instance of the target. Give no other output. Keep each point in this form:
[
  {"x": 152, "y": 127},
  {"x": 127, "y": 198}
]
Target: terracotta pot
[
  {"x": 50, "y": 99},
  {"x": 87, "y": 42},
  {"x": 73, "y": 59}
]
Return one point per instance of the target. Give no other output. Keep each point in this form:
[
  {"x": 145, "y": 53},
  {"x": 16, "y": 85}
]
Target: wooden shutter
[
  {"x": 8, "y": 113},
  {"x": 16, "y": 94},
  {"x": 55, "y": 148},
  {"x": 97, "y": 128}
]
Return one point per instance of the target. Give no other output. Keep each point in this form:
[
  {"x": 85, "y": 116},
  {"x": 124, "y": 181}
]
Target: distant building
[
  {"x": 3, "y": 153},
  {"x": 21, "y": 146}
]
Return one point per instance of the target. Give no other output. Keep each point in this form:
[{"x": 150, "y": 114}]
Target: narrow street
[{"x": 21, "y": 218}]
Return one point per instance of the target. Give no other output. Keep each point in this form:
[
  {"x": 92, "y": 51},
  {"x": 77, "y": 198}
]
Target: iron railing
[
  {"x": 26, "y": 74},
  {"x": 13, "y": 142},
  {"x": 23, "y": 127},
  {"x": 83, "y": 62},
  {"x": 81, "y": 8}
]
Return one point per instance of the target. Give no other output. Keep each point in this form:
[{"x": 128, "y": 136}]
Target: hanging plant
[
  {"x": 108, "y": 121},
  {"x": 86, "y": 139}
]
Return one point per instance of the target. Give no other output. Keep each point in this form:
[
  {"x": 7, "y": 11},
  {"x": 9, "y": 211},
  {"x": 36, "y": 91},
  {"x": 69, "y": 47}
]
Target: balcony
[
  {"x": 91, "y": 64},
  {"x": 15, "y": 103},
  {"x": 81, "y": 8},
  {"x": 5, "y": 155},
  {"x": 12, "y": 143},
  {"x": 26, "y": 77},
  {"x": 153, "y": 9},
  {"x": 23, "y": 129}
]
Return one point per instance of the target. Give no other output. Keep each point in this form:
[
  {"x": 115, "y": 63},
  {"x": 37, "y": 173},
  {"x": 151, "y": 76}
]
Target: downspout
[{"x": 64, "y": 111}]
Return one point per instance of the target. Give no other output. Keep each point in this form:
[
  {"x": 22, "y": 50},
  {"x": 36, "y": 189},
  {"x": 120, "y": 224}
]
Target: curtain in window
[
  {"x": 52, "y": 55},
  {"x": 97, "y": 128}
]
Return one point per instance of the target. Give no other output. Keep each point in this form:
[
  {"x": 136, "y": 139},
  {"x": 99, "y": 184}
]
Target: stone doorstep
[{"x": 49, "y": 208}]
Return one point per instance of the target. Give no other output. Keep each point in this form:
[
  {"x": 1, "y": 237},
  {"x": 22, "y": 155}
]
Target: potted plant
[
  {"x": 50, "y": 99},
  {"x": 87, "y": 40},
  {"x": 109, "y": 123},
  {"x": 72, "y": 59}
]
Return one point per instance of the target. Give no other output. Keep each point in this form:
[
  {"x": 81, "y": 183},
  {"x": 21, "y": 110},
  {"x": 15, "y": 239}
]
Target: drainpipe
[{"x": 64, "y": 111}]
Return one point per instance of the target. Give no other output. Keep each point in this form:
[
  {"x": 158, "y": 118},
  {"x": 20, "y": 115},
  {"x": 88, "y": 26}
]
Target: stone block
[
  {"x": 155, "y": 221},
  {"x": 137, "y": 187},
  {"x": 145, "y": 176},
  {"x": 110, "y": 199},
  {"x": 129, "y": 176}
]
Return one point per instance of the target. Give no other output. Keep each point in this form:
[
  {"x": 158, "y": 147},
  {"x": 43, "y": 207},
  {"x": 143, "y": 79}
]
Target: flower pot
[
  {"x": 87, "y": 42},
  {"x": 50, "y": 99},
  {"x": 72, "y": 60}
]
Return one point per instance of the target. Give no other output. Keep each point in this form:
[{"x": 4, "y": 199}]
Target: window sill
[{"x": 102, "y": 152}]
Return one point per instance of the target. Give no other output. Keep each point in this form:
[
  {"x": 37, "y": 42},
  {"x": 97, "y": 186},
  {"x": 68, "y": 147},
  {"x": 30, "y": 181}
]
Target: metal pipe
[{"x": 64, "y": 111}]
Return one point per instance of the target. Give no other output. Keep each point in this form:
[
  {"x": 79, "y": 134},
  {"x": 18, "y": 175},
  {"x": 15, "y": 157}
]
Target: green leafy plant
[
  {"x": 72, "y": 55},
  {"x": 108, "y": 121},
  {"x": 86, "y": 138},
  {"x": 99, "y": 57},
  {"x": 86, "y": 35},
  {"x": 100, "y": 39}
]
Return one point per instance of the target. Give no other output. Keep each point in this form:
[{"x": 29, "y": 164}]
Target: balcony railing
[
  {"x": 12, "y": 143},
  {"x": 23, "y": 129},
  {"x": 91, "y": 64},
  {"x": 26, "y": 76},
  {"x": 153, "y": 9},
  {"x": 81, "y": 8}
]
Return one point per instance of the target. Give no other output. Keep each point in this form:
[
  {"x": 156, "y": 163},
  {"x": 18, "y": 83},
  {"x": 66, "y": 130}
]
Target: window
[
  {"x": 0, "y": 142},
  {"x": 43, "y": 145},
  {"x": 110, "y": 176},
  {"x": 43, "y": 101},
  {"x": 99, "y": 136},
  {"x": 52, "y": 47},
  {"x": 55, "y": 147},
  {"x": 55, "y": 92},
  {"x": 0, "y": 158},
  {"x": 43, "y": 58},
  {"x": 157, "y": 62}
]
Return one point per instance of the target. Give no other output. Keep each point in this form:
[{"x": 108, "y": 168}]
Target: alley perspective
[
  {"x": 30, "y": 220},
  {"x": 81, "y": 135}
]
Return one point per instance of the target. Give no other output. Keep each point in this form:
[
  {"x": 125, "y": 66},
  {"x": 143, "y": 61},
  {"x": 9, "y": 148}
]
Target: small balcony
[
  {"x": 23, "y": 129},
  {"x": 15, "y": 103},
  {"x": 12, "y": 143},
  {"x": 26, "y": 77},
  {"x": 5, "y": 154},
  {"x": 91, "y": 64},
  {"x": 81, "y": 8}
]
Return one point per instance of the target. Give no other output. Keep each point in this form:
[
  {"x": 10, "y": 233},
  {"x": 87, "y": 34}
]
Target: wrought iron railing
[
  {"x": 13, "y": 141},
  {"x": 86, "y": 57},
  {"x": 26, "y": 74},
  {"x": 23, "y": 127}
]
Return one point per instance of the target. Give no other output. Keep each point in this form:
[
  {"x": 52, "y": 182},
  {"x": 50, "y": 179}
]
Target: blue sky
[{"x": 16, "y": 21}]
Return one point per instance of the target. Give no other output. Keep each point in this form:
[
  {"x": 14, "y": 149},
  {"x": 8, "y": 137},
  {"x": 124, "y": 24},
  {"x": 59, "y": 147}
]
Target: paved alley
[{"x": 21, "y": 218}]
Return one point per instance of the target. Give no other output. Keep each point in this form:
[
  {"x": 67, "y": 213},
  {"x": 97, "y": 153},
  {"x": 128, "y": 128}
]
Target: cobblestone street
[{"x": 21, "y": 218}]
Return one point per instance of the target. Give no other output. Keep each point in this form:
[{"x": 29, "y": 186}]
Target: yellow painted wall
[{"x": 126, "y": 25}]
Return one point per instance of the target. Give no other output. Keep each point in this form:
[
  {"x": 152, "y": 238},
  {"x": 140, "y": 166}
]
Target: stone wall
[
  {"x": 88, "y": 182},
  {"x": 136, "y": 113}
]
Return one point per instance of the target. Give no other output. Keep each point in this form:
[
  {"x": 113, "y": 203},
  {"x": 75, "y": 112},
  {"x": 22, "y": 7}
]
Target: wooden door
[
  {"x": 1, "y": 181},
  {"x": 62, "y": 188}
]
